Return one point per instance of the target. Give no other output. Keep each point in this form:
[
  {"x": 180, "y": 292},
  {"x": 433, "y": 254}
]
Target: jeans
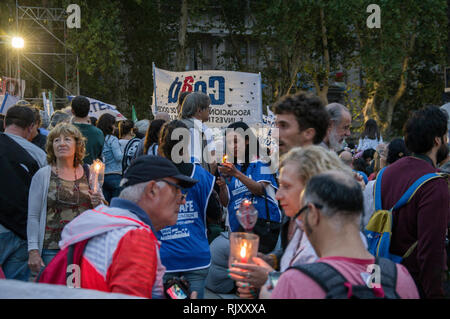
[
  {"x": 48, "y": 255},
  {"x": 111, "y": 186},
  {"x": 196, "y": 279},
  {"x": 14, "y": 256}
]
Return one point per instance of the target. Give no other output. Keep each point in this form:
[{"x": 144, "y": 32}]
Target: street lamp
[{"x": 18, "y": 43}]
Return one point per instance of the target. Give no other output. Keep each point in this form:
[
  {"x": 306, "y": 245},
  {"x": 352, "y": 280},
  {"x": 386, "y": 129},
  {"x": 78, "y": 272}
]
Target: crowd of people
[{"x": 167, "y": 206}]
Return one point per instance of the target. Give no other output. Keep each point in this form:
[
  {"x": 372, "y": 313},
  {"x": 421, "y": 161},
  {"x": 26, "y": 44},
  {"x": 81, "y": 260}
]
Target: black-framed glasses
[
  {"x": 177, "y": 187},
  {"x": 304, "y": 208}
]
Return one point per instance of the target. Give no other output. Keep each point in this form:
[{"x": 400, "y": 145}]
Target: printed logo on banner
[
  {"x": 235, "y": 96},
  {"x": 216, "y": 83}
]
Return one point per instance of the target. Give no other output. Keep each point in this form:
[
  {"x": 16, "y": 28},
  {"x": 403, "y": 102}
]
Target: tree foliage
[{"x": 300, "y": 45}]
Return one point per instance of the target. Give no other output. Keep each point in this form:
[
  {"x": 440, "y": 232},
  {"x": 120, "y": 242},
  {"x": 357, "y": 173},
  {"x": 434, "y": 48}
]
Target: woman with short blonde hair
[
  {"x": 313, "y": 160},
  {"x": 59, "y": 192},
  {"x": 297, "y": 167}
]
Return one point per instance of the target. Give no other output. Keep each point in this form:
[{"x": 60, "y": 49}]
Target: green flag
[{"x": 133, "y": 114}]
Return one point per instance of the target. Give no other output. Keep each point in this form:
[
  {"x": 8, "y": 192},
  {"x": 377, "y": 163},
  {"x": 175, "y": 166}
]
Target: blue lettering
[
  {"x": 221, "y": 90},
  {"x": 173, "y": 98},
  {"x": 102, "y": 107},
  {"x": 199, "y": 84}
]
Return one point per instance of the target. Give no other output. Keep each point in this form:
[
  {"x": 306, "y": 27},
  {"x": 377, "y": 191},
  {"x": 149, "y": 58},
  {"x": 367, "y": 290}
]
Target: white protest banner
[
  {"x": 235, "y": 96},
  {"x": 98, "y": 108},
  {"x": 6, "y": 101}
]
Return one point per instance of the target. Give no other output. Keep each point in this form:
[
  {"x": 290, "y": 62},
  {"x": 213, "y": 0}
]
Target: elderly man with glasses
[
  {"x": 332, "y": 206},
  {"x": 121, "y": 251}
]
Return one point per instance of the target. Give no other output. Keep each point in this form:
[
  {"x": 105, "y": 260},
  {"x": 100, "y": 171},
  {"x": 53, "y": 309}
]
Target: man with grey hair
[
  {"x": 194, "y": 113},
  {"x": 121, "y": 252},
  {"x": 333, "y": 202},
  {"x": 339, "y": 129}
]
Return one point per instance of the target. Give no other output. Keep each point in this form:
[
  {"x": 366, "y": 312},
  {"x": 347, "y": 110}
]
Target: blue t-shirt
[
  {"x": 184, "y": 246},
  {"x": 259, "y": 172}
]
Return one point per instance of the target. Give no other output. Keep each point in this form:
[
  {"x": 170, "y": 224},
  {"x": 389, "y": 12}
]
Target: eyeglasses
[
  {"x": 304, "y": 208},
  {"x": 177, "y": 187}
]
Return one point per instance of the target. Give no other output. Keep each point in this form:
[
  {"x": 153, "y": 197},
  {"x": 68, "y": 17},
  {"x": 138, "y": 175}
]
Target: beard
[
  {"x": 442, "y": 153},
  {"x": 335, "y": 145}
]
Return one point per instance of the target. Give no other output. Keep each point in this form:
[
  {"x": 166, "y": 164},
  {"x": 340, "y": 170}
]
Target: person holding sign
[{"x": 59, "y": 192}]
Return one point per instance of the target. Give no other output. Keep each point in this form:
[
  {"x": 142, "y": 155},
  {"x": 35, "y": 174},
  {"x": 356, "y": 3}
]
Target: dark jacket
[{"x": 17, "y": 168}]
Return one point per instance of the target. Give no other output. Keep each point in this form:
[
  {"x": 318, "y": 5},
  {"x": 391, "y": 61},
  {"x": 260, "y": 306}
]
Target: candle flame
[
  {"x": 224, "y": 158},
  {"x": 243, "y": 250},
  {"x": 97, "y": 166}
]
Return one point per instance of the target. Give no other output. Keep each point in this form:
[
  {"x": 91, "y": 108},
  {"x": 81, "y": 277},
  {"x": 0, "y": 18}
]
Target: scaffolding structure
[{"x": 34, "y": 24}]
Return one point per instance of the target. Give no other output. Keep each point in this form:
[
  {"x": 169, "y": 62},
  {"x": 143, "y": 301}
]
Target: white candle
[{"x": 97, "y": 169}]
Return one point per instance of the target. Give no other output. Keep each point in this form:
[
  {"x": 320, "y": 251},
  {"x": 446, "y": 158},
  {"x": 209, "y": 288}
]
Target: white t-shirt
[
  {"x": 196, "y": 150},
  {"x": 367, "y": 143}
]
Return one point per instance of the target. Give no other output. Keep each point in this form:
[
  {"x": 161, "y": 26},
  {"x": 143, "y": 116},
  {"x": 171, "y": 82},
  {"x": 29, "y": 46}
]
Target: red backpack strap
[{"x": 57, "y": 272}]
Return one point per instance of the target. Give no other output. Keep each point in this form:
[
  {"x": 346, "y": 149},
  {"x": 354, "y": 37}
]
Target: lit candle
[
  {"x": 97, "y": 170},
  {"x": 243, "y": 253},
  {"x": 243, "y": 247},
  {"x": 224, "y": 158}
]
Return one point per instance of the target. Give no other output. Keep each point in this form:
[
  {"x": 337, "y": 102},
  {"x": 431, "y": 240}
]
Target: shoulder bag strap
[
  {"x": 405, "y": 199},
  {"x": 325, "y": 275},
  {"x": 377, "y": 190}
]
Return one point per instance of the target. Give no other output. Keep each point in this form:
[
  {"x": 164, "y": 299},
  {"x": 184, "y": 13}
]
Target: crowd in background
[{"x": 155, "y": 220}]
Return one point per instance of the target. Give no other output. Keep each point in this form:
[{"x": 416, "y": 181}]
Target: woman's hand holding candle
[{"x": 255, "y": 274}]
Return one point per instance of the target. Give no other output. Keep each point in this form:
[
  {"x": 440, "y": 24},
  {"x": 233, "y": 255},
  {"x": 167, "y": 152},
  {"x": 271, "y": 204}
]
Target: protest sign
[
  {"x": 235, "y": 96},
  {"x": 6, "y": 101},
  {"x": 98, "y": 108}
]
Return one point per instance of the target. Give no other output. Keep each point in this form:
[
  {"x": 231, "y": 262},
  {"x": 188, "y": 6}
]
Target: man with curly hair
[{"x": 301, "y": 120}]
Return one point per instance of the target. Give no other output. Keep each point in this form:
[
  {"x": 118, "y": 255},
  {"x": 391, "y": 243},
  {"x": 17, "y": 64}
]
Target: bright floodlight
[{"x": 17, "y": 43}]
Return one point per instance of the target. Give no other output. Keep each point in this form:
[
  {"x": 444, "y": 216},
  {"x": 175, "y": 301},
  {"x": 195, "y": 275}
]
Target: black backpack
[{"x": 336, "y": 286}]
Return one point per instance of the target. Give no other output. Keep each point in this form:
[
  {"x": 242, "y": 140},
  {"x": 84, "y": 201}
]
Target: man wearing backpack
[
  {"x": 424, "y": 219},
  {"x": 115, "y": 247},
  {"x": 330, "y": 217}
]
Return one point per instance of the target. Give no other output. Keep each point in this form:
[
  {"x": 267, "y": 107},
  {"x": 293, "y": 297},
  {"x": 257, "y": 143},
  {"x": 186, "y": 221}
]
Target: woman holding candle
[
  {"x": 247, "y": 176},
  {"x": 59, "y": 192},
  {"x": 113, "y": 155},
  {"x": 296, "y": 168}
]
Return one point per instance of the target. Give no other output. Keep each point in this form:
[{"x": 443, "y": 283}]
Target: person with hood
[{"x": 121, "y": 252}]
